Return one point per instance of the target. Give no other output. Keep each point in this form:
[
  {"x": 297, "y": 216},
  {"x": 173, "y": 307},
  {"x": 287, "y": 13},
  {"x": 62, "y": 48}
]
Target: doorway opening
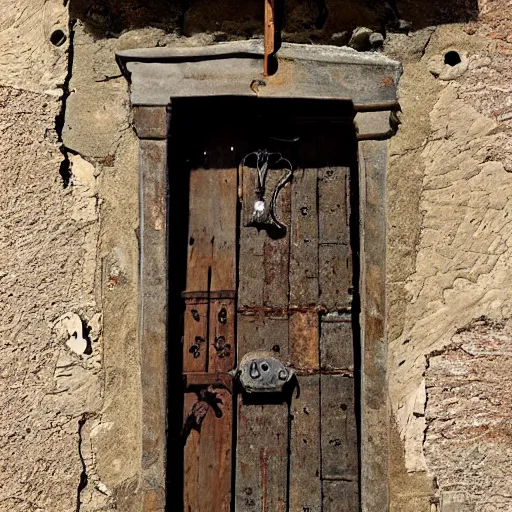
[{"x": 275, "y": 287}]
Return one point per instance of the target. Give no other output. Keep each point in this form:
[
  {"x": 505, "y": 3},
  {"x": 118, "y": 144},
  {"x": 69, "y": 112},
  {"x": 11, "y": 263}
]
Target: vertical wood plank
[
  {"x": 305, "y": 453},
  {"x": 211, "y": 270},
  {"x": 336, "y": 342},
  {"x": 208, "y": 458},
  {"x": 335, "y": 255},
  {"x": 304, "y": 340},
  {"x": 336, "y": 286},
  {"x": 260, "y": 247},
  {"x": 262, "y": 429},
  {"x": 200, "y": 230},
  {"x": 305, "y": 485},
  {"x": 339, "y": 449},
  {"x": 333, "y": 205},
  {"x": 262, "y": 452},
  {"x": 340, "y": 496},
  {"x": 304, "y": 238},
  {"x": 252, "y": 243},
  {"x": 375, "y": 413},
  {"x": 276, "y": 251},
  {"x": 153, "y": 335},
  {"x": 222, "y": 335},
  {"x": 339, "y": 431},
  {"x": 195, "y": 337},
  {"x": 223, "y": 193}
]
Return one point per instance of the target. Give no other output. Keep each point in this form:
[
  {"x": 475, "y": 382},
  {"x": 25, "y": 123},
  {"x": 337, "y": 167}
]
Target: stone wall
[{"x": 69, "y": 373}]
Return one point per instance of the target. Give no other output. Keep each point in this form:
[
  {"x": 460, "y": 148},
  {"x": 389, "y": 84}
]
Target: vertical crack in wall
[
  {"x": 82, "y": 484},
  {"x": 65, "y": 165}
]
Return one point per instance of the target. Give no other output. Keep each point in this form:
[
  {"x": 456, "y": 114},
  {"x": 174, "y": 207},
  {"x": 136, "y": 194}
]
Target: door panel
[{"x": 287, "y": 293}]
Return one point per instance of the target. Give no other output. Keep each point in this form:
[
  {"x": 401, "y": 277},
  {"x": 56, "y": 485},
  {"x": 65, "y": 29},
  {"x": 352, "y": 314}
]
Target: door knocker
[{"x": 264, "y": 209}]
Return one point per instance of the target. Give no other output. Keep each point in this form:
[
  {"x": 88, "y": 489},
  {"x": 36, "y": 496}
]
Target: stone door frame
[{"x": 368, "y": 81}]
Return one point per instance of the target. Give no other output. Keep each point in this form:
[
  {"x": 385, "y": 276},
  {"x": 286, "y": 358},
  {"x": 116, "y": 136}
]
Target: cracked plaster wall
[{"x": 69, "y": 435}]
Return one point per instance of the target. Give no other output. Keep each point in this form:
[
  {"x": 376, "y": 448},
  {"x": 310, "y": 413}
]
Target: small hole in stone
[
  {"x": 276, "y": 348},
  {"x": 343, "y": 407},
  {"x": 452, "y": 58},
  {"x": 264, "y": 367},
  {"x": 57, "y": 37},
  {"x": 191, "y": 241}
]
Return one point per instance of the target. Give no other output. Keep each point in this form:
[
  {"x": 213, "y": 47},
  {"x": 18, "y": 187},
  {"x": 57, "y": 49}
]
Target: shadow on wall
[{"x": 303, "y": 20}]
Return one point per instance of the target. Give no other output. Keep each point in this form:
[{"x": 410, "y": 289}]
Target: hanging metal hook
[{"x": 265, "y": 214}]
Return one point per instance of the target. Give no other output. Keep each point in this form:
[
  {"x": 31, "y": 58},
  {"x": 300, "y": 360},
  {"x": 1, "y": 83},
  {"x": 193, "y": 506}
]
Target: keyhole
[{"x": 253, "y": 371}]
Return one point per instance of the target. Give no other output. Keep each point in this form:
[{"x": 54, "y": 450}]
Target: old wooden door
[{"x": 267, "y": 282}]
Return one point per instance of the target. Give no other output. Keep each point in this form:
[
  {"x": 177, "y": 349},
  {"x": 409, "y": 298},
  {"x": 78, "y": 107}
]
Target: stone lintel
[{"x": 368, "y": 80}]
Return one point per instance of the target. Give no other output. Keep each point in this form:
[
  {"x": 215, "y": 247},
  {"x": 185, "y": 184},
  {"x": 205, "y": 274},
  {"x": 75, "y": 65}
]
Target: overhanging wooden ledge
[{"x": 368, "y": 80}]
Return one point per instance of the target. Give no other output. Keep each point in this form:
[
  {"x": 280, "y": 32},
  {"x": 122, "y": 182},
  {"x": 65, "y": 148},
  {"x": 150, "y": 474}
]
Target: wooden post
[{"x": 269, "y": 34}]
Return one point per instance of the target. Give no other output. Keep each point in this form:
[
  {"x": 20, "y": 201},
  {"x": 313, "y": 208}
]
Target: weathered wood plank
[
  {"x": 305, "y": 484},
  {"x": 222, "y": 335},
  {"x": 224, "y": 200},
  {"x": 340, "y": 496},
  {"x": 304, "y": 340},
  {"x": 208, "y": 456},
  {"x": 336, "y": 286},
  {"x": 257, "y": 247},
  {"x": 375, "y": 410},
  {"x": 153, "y": 335},
  {"x": 263, "y": 331},
  {"x": 333, "y": 205},
  {"x": 336, "y": 342},
  {"x": 208, "y": 426},
  {"x": 339, "y": 431},
  {"x": 304, "y": 239},
  {"x": 262, "y": 452},
  {"x": 212, "y": 230},
  {"x": 335, "y": 253},
  {"x": 195, "y": 337},
  {"x": 277, "y": 250},
  {"x": 252, "y": 242},
  {"x": 262, "y": 429}
]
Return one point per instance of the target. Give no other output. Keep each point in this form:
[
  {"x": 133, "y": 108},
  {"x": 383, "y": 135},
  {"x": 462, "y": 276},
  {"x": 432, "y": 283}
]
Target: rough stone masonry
[{"x": 69, "y": 372}]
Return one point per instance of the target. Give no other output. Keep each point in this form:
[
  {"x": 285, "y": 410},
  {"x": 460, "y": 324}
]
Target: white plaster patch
[{"x": 70, "y": 326}]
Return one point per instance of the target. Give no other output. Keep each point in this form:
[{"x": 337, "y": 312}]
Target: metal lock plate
[{"x": 260, "y": 372}]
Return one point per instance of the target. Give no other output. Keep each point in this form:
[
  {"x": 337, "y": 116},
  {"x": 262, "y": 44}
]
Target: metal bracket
[
  {"x": 264, "y": 209},
  {"x": 260, "y": 372}
]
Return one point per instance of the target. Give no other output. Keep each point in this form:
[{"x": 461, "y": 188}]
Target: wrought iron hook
[{"x": 263, "y": 215}]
